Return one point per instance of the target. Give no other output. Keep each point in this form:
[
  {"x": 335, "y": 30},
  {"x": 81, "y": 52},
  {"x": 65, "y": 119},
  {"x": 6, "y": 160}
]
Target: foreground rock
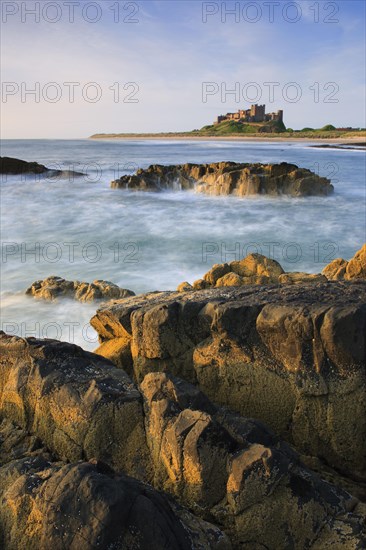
[
  {"x": 229, "y": 178},
  {"x": 77, "y": 403},
  {"x": 229, "y": 470},
  {"x": 340, "y": 269},
  {"x": 13, "y": 166},
  {"x": 56, "y": 287},
  {"x": 49, "y": 504},
  {"x": 237, "y": 472},
  {"x": 292, "y": 356}
]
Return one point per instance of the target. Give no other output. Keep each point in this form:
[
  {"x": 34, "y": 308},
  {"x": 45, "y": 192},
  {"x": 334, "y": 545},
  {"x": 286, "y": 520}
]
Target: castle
[{"x": 256, "y": 113}]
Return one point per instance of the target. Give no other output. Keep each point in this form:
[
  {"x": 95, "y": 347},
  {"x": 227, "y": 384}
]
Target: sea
[{"x": 81, "y": 229}]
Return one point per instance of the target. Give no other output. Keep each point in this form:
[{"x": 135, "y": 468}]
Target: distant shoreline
[{"x": 266, "y": 139}]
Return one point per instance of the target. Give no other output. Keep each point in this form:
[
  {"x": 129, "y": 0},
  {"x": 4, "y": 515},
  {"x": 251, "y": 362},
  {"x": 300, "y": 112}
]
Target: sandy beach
[{"x": 141, "y": 137}]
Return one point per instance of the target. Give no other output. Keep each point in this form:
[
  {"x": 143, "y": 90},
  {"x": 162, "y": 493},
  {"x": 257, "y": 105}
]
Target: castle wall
[{"x": 256, "y": 113}]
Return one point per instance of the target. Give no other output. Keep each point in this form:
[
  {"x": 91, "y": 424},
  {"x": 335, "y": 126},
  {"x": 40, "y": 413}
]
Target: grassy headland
[{"x": 232, "y": 129}]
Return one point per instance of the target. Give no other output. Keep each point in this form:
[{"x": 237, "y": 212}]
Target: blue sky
[{"x": 169, "y": 54}]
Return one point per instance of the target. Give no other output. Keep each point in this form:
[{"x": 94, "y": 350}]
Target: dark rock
[
  {"x": 48, "y": 504},
  {"x": 15, "y": 442},
  {"x": 12, "y": 166},
  {"x": 16, "y": 166}
]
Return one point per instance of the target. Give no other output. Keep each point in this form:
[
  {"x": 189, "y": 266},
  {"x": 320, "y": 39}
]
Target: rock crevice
[
  {"x": 216, "y": 468},
  {"x": 292, "y": 356}
]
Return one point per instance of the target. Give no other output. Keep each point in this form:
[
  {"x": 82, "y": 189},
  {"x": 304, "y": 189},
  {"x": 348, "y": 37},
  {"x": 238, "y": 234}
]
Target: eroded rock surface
[
  {"x": 340, "y": 269},
  {"x": 236, "y": 471},
  {"x": 229, "y": 178},
  {"x": 239, "y": 484},
  {"x": 54, "y": 287},
  {"x": 50, "y": 504},
  {"x": 78, "y": 403},
  {"x": 257, "y": 269},
  {"x": 292, "y": 356}
]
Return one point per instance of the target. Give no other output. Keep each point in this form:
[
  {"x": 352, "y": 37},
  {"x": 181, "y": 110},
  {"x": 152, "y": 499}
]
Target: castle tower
[
  {"x": 261, "y": 113},
  {"x": 257, "y": 112}
]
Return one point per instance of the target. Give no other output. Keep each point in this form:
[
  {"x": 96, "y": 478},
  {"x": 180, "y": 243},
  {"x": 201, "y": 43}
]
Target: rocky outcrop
[
  {"x": 255, "y": 269},
  {"x": 17, "y": 166},
  {"x": 237, "y": 472},
  {"x": 292, "y": 356},
  {"x": 13, "y": 166},
  {"x": 336, "y": 270},
  {"x": 77, "y": 403},
  {"x": 240, "y": 485},
  {"x": 229, "y": 178},
  {"x": 54, "y": 287},
  {"x": 340, "y": 269},
  {"x": 50, "y": 504}
]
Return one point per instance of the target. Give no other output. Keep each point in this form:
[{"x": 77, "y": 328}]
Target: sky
[{"x": 74, "y": 68}]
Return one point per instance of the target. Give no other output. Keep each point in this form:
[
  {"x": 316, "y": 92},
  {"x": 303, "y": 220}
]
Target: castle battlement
[{"x": 256, "y": 113}]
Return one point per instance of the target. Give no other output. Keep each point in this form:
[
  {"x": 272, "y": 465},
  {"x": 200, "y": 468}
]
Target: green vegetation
[
  {"x": 228, "y": 127},
  {"x": 232, "y": 128},
  {"x": 327, "y": 128},
  {"x": 324, "y": 134},
  {"x": 276, "y": 126}
]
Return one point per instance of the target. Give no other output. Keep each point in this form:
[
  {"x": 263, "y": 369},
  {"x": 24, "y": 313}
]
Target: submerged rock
[
  {"x": 17, "y": 166},
  {"x": 229, "y": 178},
  {"x": 54, "y": 287},
  {"x": 13, "y": 166}
]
